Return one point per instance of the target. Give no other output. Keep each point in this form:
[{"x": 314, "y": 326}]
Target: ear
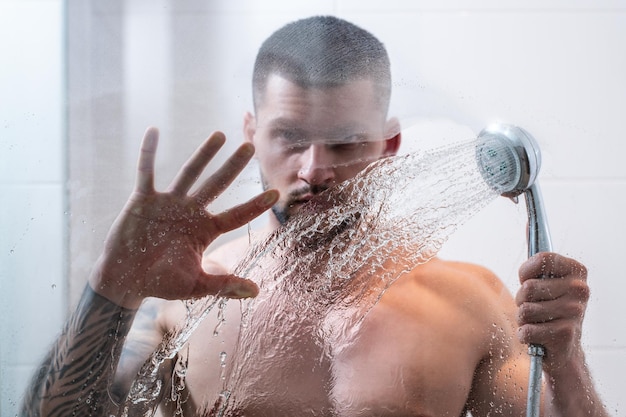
[
  {"x": 249, "y": 127},
  {"x": 393, "y": 137}
]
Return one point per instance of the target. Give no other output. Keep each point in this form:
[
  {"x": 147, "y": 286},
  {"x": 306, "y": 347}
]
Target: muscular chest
[{"x": 390, "y": 364}]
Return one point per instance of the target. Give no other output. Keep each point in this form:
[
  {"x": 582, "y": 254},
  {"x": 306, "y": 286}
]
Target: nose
[{"x": 317, "y": 165}]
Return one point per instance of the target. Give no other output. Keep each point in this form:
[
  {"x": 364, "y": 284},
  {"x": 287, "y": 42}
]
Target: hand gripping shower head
[{"x": 509, "y": 160}]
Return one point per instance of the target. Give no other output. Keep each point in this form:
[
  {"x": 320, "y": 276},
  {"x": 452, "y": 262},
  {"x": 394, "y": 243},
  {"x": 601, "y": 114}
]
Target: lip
[
  {"x": 304, "y": 199},
  {"x": 316, "y": 203}
]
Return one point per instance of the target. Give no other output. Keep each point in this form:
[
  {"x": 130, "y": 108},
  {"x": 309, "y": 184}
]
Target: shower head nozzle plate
[{"x": 508, "y": 158}]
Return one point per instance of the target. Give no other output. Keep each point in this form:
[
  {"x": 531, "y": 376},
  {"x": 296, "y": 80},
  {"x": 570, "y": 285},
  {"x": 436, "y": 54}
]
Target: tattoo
[{"x": 76, "y": 375}]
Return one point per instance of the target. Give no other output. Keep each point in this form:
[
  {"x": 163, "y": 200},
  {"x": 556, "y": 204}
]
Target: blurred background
[{"x": 80, "y": 81}]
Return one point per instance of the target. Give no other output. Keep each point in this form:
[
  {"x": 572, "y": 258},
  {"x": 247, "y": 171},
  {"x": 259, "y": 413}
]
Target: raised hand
[{"x": 155, "y": 246}]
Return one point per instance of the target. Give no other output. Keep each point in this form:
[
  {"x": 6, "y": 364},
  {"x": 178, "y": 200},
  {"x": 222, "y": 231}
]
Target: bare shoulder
[
  {"x": 225, "y": 257},
  {"x": 462, "y": 289},
  {"x": 452, "y": 277}
]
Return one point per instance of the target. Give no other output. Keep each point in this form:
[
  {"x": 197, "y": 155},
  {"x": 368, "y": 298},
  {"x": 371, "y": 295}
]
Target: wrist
[
  {"x": 109, "y": 284},
  {"x": 567, "y": 382}
]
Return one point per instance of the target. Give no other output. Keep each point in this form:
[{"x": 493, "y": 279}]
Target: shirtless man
[{"x": 444, "y": 339}]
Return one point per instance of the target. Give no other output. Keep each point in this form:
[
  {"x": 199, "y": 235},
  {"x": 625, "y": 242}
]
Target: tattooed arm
[
  {"x": 154, "y": 249},
  {"x": 84, "y": 377},
  {"x": 76, "y": 376}
]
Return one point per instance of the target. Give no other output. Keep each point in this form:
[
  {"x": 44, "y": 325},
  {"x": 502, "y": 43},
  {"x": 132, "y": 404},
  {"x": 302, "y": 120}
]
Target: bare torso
[{"x": 418, "y": 352}]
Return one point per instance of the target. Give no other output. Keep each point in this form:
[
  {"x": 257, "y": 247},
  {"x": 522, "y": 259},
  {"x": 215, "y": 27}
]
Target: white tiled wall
[
  {"x": 33, "y": 282},
  {"x": 554, "y": 67}
]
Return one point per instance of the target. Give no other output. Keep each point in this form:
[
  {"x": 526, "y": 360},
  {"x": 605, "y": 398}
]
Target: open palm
[{"x": 155, "y": 246}]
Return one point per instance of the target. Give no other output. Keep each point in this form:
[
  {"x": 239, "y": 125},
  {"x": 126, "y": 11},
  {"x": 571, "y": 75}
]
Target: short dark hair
[{"x": 322, "y": 51}]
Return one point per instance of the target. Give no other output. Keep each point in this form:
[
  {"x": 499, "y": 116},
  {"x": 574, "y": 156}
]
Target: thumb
[{"x": 229, "y": 286}]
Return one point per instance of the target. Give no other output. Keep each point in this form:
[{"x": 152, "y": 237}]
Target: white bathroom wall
[
  {"x": 33, "y": 282},
  {"x": 554, "y": 67}
]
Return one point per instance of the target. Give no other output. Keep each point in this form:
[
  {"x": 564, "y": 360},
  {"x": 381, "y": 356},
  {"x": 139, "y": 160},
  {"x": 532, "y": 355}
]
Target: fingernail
[
  {"x": 269, "y": 198},
  {"x": 240, "y": 291},
  {"x": 247, "y": 149}
]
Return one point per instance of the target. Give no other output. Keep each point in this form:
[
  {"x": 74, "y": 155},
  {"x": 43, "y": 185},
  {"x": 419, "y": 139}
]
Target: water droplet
[{"x": 224, "y": 395}]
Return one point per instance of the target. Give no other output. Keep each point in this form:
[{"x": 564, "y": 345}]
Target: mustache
[{"x": 307, "y": 189}]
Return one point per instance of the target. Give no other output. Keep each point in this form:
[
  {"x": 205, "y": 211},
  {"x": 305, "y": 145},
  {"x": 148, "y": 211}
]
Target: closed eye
[
  {"x": 346, "y": 146},
  {"x": 350, "y": 143},
  {"x": 292, "y": 139}
]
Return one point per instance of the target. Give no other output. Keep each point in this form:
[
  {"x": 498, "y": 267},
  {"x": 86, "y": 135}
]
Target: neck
[{"x": 273, "y": 223}]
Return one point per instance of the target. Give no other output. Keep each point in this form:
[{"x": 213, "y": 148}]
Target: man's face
[{"x": 308, "y": 139}]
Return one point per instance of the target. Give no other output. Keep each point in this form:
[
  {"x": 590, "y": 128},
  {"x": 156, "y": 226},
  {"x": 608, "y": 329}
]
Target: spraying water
[{"x": 335, "y": 258}]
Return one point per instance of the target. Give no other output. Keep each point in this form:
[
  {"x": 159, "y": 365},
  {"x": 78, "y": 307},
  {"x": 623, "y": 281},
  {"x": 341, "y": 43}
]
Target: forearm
[
  {"x": 571, "y": 392},
  {"x": 76, "y": 375}
]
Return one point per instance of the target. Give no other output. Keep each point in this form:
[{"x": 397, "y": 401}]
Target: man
[{"x": 443, "y": 340}]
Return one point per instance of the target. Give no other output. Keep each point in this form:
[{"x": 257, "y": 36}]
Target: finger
[
  {"x": 546, "y": 334},
  {"x": 548, "y": 264},
  {"x": 224, "y": 176},
  {"x": 229, "y": 286},
  {"x": 547, "y": 311},
  {"x": 244, "y": 213},
  {"x": 534, "y": 290},
  {"x": 194, "y": 166},
  {"x": 534, "y": 333},
  {"x": 145, "y": 166},
  {"x": 537, "y": 290}
]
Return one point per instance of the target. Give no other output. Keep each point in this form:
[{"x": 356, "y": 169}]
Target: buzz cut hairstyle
[{"x": 322, "y": 52}]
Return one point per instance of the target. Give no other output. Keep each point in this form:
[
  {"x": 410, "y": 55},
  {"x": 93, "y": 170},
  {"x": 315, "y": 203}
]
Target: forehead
[{"x": 351, "y": 105}]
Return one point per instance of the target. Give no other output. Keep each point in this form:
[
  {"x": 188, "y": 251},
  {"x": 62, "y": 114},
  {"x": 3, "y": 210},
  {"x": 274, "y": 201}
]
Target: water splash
[
  {"x": 334, "y": 258},
  {"x": 146, "y": 389}
]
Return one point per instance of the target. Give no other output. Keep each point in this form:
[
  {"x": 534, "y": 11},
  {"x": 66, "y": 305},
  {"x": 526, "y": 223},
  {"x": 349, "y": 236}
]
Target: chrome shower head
[{"x": 508, "y": 158}]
